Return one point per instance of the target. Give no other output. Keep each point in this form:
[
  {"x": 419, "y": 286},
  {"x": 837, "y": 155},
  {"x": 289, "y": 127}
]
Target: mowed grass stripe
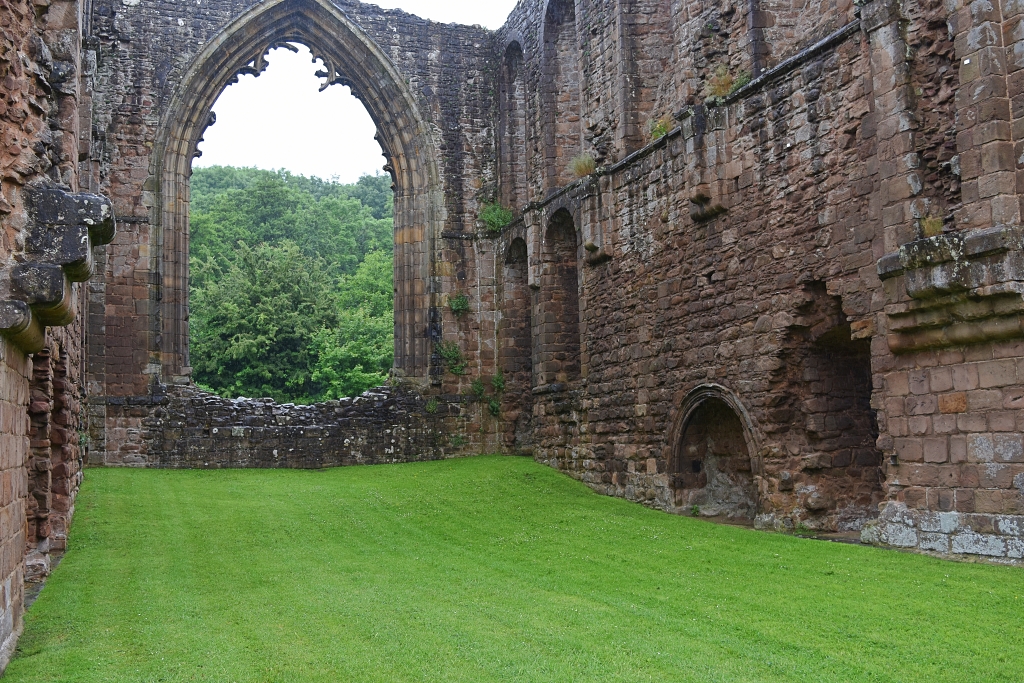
[{"x": 484, "y": 569}]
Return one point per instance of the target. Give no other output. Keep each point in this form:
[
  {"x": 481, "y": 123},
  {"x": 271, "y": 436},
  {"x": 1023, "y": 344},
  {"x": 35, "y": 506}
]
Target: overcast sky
[{"x": 279, "y": 120}]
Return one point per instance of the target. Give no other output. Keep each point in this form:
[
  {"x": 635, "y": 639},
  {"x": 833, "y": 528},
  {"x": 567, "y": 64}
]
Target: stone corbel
[
  {"x": 595, "y": 250},
  {"x": 963, "y": 289},
  {"x": 63, "y": 228},
  {"x": 596, "y": 254}
]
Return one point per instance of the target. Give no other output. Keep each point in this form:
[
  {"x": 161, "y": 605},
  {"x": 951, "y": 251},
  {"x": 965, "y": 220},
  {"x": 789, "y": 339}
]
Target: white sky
[{"x": 279, "y": 120}]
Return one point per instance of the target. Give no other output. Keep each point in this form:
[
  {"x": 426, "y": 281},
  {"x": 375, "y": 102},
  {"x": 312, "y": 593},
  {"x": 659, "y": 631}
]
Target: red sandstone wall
[
  {"x": 138, "y": 316},
  {"x": 774, "y": 253},
  {"x": 14, "y": 371},
  {"x": 41, "y": 72},
  {"x": 823, "y": 170}
]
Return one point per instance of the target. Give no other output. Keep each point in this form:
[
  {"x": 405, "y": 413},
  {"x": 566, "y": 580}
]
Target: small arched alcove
[
  {"x": 557, "y": 327},
  {"x": 351, "y": 58},
  {"x": 712, "y": 466}
]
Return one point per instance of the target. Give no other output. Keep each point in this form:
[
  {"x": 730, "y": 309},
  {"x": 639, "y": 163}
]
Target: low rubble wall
[{"x": 183, "y": 427}]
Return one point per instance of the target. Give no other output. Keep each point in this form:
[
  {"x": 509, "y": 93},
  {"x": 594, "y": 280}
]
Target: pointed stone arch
[
  {"x": 714, "y": 455},
  {"x": 351, "y": 58},
  {"x": 512, "y": 113}
]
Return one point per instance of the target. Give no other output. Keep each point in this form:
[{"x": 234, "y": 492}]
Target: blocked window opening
[
  {"x": 292, "y": 271},
  {"x": 711, "y": 469},
  {"x": 512, "y": 120},
  {"x": 557, "y": 358},
  {"x": 841, "y": 430},
  {"x": 645, "y": 52},
  {"x": 560, "y": 87},
  {"x": 515, "y": 348}
]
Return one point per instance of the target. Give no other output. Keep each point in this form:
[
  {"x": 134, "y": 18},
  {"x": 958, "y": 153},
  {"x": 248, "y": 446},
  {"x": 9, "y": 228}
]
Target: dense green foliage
[
  {"x": 291, "y": 286},
  {"x": 495, "y": 217},
  {"x": 484, "y": 569}
]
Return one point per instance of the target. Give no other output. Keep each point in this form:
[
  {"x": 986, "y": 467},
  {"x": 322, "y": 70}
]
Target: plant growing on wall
[
  {"x": 451, "y": 355},
  {"x": 659, "y": 128},
  {"x": 931, "y": 226},
  {"x": 432, "y": 406},
  {"x": 459, "y": 304},
  {"x": 495, "y": 217},
  {"x": 723, "y": 83},
  {"x": 498, "y": 382},
  {"x": 477, "y": 387},
  {"x": 583, "y": 165}
]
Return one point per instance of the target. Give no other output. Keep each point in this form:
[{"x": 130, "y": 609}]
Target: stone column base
[{"x": 999, "y": 537}]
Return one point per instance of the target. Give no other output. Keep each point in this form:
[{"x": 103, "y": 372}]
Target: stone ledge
[
  {"x": 792, "y": 63},
  {"x": 951, "y": 248},
  {"x": 962, "y": 288}
]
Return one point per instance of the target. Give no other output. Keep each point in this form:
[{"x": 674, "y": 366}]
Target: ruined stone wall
[
  {"x": 15, "y": 368},
  {"x": 187, "y": 428},
  {"x": 802, "y": 304},
  {"x": 145, "y": 55},
  {"x": 46, "y": 235},
  {"x": 756, "y": 300},
  {"x": 824, "y": 240},
  {"x": 831, "y": 250},
  {"x": 56, "y": 419}
]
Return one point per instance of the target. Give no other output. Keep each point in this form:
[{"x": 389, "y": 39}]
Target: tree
[{"x": 292, "y": 285}]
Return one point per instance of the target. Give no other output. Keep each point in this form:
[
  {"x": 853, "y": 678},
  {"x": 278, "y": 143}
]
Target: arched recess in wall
[
  {"x": 714, "y": 455},
  {"x": 560, "y": 92},
  {"x": 351, "y": 58},
  {"x": 512, "y": 122},
  {"x": 515, "y": 346},
  {"x": 557, "y": 330}
]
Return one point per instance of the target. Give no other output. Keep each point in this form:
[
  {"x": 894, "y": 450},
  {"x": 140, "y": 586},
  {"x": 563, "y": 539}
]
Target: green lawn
[{"x": 485, "y": 569}]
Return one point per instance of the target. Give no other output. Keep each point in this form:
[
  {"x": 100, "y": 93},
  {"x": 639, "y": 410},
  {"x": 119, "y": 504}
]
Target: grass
[
  {"x": 582, "y": 165},
  {"x": 485, "y": 569}
]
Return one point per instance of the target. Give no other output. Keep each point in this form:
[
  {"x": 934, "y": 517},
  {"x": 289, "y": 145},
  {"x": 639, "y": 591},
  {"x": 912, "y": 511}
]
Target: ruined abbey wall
[
  {"x": 826, "y": 243},
  {"x": 46, "y": 238},
  {"x": 766, "y": 259},
  {"x": 433, "y": 115}
]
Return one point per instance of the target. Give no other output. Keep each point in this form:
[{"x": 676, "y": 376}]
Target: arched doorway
[
  {"x": 353, "y": 59},
  {"x": 711, "y": 469}
]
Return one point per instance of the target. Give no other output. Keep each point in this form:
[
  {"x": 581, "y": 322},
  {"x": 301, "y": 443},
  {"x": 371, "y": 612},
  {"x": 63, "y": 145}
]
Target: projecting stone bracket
[
  {"x": 963, "y": 289},
  {"x": 62, "y": 231}
]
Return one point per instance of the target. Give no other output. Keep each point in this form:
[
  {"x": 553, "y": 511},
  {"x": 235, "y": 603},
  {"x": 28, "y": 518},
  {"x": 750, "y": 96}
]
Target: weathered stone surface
[
  {"x": 796, "y": 300},
  {"x": 186, "y": 428}
]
